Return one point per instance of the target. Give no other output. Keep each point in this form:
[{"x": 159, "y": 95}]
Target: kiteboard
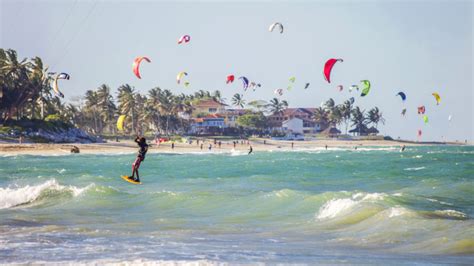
[{"x": 128, "y": 179}]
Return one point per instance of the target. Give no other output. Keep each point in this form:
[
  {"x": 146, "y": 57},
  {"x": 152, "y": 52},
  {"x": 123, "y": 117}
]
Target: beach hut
[{"x": 331, "y": 132}]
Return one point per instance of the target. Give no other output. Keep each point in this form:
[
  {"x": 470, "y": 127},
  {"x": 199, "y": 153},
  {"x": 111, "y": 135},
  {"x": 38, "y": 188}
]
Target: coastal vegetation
[{"x": 27, "y": 98}]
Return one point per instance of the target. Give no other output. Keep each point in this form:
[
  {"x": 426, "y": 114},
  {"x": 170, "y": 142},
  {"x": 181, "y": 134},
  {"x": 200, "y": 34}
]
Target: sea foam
[{"x": 11, "y": 197}]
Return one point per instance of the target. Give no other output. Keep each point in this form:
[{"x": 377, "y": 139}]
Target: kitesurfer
[
  {"x": 250, "y": 149},
  {"x": 141, "y": 141}
]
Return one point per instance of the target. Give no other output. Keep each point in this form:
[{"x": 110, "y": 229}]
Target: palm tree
[
  {"x": 15, "y": 83},
  {"x": 92, "y": 109},
  {"x": 321, "y": 116},
  {"x": 329, "y": 105},
  {"x": 276, "y": 106},
  {"x": 127, "y": 104},
  {"x": 237, "y": 100},
  {"x": 106, "y": 106},
  {"x": 335, "y": 116},
  {"x": 217, "y": 96},
  {"x": 140, "y": 101},
  {"x": 258, "y": 105},
  {"x": 358, "y": 119},
  {"x": 375, "y": 116},
  {"x": 346, "y": 110},
  {"x": 165, "y": 106}
]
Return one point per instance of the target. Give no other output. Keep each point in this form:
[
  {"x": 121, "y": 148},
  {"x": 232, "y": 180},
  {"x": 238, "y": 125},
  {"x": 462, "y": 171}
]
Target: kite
[
  {"x": 136, "y": 65},
  {"x": 184, "y": 38},
  {"x": 180, "y": 76},
  {"x": 306, "y": 86},
  {"x": 340, "y": 87},
  {"x": 55, "y": 84},
  {"x": 353, "y": 87},
  {"x": 245, "y": 82},
  {"x": 279, "y": 92},
  {"x": 292, "y": 79},
  {"x": 120, "y": 122},
  {"x": 421, "y": 110},
  {"x": 272, "y": 27},
  {"x": 366, "y": 87},
  {"x": 425, "y": 119},
  {"x": 404, "y": 111},
  {"x": 402, "y": 95},
  {"x": 437, "y": 97},
  {"x": 328, "y": 68},
  {"x": 230, "y": 79}
]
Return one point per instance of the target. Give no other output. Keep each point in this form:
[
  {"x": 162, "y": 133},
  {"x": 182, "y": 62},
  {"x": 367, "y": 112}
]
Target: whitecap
[
  {"x": 61, "y": 171},
  {"x": 397, "y": 211},
  {"x": 414, "y": 168},
  {"x": 11, "y": 197},
  {"x": 451, "y": 213},
  {"x": 334, "y": 207}
]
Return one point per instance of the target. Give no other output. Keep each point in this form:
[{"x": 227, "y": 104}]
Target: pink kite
[
  {"x": 328, "y": 67},
  {"x": 421, "y": 110},
  {"x": 184, "y": 38},
  {"x": 230, "y": 79},
  {"x": 136, "y": 65}
]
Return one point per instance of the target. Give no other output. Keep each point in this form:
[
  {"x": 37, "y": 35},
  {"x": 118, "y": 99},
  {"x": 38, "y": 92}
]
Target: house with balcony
[
  {"x": 231, "y": 116},
  {"x": 309, "y": 126},
  {"x": 208, "y": 106},
  {"x": 210, "y": 124}
]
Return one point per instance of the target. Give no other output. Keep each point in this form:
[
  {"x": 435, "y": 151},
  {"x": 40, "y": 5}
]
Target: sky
[{"x": 418, "y": 47}]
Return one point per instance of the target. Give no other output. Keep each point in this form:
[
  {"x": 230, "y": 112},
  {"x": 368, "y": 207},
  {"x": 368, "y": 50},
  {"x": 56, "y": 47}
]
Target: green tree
[
  {"x": 252, "y": 120},
  {"x": 127, "y": 103},
  {"x": 276, "y": 106},
  {"x": 375, "y": 116},
  {"x": 238, "y": 100},
  {"x": 346, "y": 110},
  {"x": 106, "y": 106},
  {"x": 321, "y": 116},
  {"x": 358, "y": 119}
]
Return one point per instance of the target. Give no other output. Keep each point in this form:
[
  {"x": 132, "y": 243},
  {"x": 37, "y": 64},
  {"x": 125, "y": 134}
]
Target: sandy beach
[{"x": 226, "y": 146}]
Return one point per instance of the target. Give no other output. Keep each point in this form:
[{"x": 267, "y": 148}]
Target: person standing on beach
[
  {"x": 292, "y": 145},
  {"x": 201, "y": 146},
  {"x": 210, "y": 147},
  {"x": 172, "y": 145},
  {"x": 140, "y": 157}
]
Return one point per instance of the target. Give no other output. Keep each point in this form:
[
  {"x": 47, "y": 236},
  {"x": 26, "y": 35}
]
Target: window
[{"x": 212, "y": 110}]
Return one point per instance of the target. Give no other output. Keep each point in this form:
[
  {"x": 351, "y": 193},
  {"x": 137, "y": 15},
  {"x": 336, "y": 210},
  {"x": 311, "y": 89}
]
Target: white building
[{"x": 294, "y": 125}]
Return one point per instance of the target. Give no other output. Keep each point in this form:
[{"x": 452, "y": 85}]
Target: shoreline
[{"x": 183, "y": 148}]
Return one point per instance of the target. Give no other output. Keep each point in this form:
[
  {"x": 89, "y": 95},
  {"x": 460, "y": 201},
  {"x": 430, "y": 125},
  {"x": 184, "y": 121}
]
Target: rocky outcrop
[
  {"x": 70, "y": 135},
  {"x": 56, "y": 135}
]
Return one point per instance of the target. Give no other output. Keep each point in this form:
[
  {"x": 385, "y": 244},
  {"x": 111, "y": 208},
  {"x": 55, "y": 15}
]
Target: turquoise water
[{"x": 373, "y": 205}]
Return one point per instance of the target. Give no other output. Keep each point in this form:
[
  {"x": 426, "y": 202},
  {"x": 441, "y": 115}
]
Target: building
[
  {"x": 208, "y": 106},
  {"x": 293, "y": 125},
  {"x": 231, "y": 116},
  {"x": 210, "y": 124},
  {"x": 331, "y": 132},
  {"x": 364, "y": 131},
  {"x": 305, "y": 114}
]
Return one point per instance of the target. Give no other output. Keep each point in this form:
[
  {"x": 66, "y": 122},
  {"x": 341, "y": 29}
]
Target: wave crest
[{"x": 12, "y": 197}]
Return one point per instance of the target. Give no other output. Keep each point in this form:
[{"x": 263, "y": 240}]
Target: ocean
[{"x": 374, "y": 205}]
